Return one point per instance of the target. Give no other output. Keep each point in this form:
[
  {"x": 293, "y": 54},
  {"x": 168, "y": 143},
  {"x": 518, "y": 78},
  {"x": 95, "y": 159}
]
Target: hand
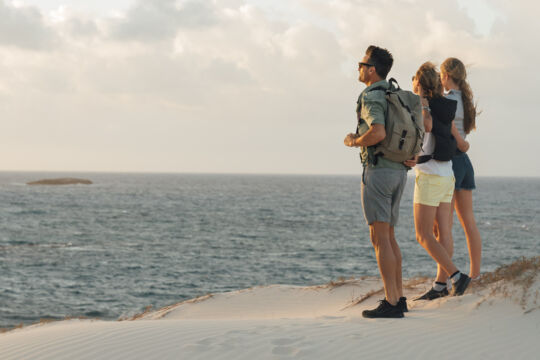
[
  {"x": 350, "y": 140},
  {"x": 410, "y": 163},
  {"x": 424, "y": 101}
]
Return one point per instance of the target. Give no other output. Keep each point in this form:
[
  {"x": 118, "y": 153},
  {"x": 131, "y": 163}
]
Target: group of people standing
[{"x": 440, "y": 186}]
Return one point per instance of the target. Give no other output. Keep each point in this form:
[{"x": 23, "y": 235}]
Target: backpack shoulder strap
[
  {"x": 394, "y": 81},
  {"x": 391, "y": 88}
]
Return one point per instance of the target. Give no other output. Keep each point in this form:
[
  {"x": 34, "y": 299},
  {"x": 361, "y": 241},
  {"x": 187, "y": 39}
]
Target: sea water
[{"x": 110, "y": 249}]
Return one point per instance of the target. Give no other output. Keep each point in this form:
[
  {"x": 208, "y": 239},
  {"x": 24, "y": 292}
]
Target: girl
[
  {"x": 434, "y": 186},
  {"x": 453, "y": 78}
]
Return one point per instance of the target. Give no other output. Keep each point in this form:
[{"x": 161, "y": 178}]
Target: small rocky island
[{"x": 60, "y": 181}]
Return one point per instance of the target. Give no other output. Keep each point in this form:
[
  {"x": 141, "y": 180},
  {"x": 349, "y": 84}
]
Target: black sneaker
[
  {"x": 384, "y": 310},
  {"x": 460, "y": 286},
  {"x": 402, "y": 303},
  {"x": 433, "y": 294}
]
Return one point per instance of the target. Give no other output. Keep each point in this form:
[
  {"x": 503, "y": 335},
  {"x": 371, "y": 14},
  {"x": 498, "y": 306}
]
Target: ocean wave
[{"x": 27, "y": 245}]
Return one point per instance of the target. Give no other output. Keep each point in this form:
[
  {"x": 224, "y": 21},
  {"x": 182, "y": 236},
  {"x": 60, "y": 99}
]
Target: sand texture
[{"x": 497, "y": 318}]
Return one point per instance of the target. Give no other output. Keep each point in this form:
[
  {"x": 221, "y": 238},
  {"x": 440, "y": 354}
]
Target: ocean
[{"x": 128, "y": 241}]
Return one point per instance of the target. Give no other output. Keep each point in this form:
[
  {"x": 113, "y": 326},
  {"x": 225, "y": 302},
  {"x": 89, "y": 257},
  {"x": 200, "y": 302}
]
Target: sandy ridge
[{"x": 288, "y": 322}]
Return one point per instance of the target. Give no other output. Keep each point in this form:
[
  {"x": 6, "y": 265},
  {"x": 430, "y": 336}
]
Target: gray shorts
[{"x": 381, "y": 193}]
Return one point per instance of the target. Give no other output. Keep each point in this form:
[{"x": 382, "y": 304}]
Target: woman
[
  {"x": 434, "y": 186},
  {"x": 454, "y": 80}
]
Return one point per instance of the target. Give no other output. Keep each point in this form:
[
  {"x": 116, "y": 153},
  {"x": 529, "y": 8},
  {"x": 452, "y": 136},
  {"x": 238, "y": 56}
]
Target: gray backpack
[{"x": 404, "y": 126}]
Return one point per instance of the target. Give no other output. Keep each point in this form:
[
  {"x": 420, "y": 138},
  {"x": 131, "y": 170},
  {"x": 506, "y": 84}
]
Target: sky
[{"x": 246, "y": 86}]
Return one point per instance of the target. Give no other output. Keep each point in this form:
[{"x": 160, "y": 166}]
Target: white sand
[{"x": 284, "y": 322}]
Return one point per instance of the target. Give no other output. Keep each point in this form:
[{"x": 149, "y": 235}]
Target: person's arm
[
  {"x": 462, "y": 144},
  {"x": 426, "y": 115},
  {"x": 374, "y": 107},
  {"x": 374, "y": 135},
  {"x": 373, "y": 113},
  {"x": 411, "y": 162}
]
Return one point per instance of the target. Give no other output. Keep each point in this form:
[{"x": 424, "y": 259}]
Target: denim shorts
[
  {"x": 463, "y": 172},
  {"x": 381, "y": 194}
]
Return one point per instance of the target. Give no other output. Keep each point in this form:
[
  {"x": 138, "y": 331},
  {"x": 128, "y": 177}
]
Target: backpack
[
  {"x": 442, "y": 112},
  {"x": 404, "y": 126}
]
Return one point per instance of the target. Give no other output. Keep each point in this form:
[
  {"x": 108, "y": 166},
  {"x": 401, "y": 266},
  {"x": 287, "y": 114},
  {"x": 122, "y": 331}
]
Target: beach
[
  {"x": 497, "y": 318},
  {"x": 219, "y": 179}
]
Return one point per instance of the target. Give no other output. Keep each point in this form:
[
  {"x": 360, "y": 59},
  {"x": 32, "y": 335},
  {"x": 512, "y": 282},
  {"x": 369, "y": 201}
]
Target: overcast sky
[{"x": 247, "y": 86}]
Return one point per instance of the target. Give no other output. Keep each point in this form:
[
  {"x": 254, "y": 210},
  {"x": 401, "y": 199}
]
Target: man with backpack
[{"x": 389, "y": 131}]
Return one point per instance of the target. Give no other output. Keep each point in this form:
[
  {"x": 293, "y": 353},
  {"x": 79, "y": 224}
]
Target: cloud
[
  {"x": 24, "y": 27},
  {"x": 161, "y": 19},
  {"x": 223, "y": 86}
]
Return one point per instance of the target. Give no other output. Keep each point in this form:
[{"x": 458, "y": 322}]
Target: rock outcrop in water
[{"x": 60, "y": 181}]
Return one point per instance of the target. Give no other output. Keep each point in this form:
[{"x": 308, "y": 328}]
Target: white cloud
[
  {"x": 223, "y": 86},
  {"x": 161, "y": 19},
  {"x": 24, "y": 27}
]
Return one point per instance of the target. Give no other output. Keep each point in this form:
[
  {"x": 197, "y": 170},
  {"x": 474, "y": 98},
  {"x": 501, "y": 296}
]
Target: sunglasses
[{"x": 364, "y": 64}]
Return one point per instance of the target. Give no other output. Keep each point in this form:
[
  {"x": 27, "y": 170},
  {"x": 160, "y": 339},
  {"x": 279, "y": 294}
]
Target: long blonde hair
[
  {"x": 428, "y": 77},
  {"x": 456, "y": 70}
]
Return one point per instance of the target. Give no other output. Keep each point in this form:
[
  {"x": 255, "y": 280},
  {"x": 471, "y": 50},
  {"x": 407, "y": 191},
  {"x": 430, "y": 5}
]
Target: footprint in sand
[
  {"x": 285, "y": 350},
  {"x": 356, "y": 336},
  {"x": 283, "y": 346},
  {"x": 207, "y": 341},
  {"x": 285, "y": 341}
]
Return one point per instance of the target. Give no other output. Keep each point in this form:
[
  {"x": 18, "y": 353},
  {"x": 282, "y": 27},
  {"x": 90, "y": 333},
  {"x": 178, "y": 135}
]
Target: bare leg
[
  {"x": 397, "y": 256},
  {"x": 424, "y": 217},
  {"x": 444, "y": 232},
  {"x": 380, "y": 238},
  {"x": 464, "y": 209}
]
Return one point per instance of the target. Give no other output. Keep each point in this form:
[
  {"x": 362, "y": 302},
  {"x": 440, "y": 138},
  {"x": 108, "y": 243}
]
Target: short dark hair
[{"x": 381, "y": 59}]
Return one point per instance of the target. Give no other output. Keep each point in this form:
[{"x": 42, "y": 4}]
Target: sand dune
[{"x": 498, "y": 318}]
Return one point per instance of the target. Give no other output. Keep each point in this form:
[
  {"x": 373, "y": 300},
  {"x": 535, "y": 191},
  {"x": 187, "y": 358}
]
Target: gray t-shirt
[{"x": 460, "y": 114}]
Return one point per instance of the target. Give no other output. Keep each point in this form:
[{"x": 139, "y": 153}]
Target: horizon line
[{"x": 227, "y": 173}]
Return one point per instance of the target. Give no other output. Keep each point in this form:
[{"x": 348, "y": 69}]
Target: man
[{"x": 383, "y": 180}]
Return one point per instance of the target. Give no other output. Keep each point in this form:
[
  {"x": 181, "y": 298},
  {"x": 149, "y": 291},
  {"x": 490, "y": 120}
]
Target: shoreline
[{"x": 498, "y": 316}]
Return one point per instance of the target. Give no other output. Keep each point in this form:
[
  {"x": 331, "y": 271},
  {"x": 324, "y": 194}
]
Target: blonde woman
[
  {"x": 434, "y": 185},
  {"x": 454, "y": 80}
]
